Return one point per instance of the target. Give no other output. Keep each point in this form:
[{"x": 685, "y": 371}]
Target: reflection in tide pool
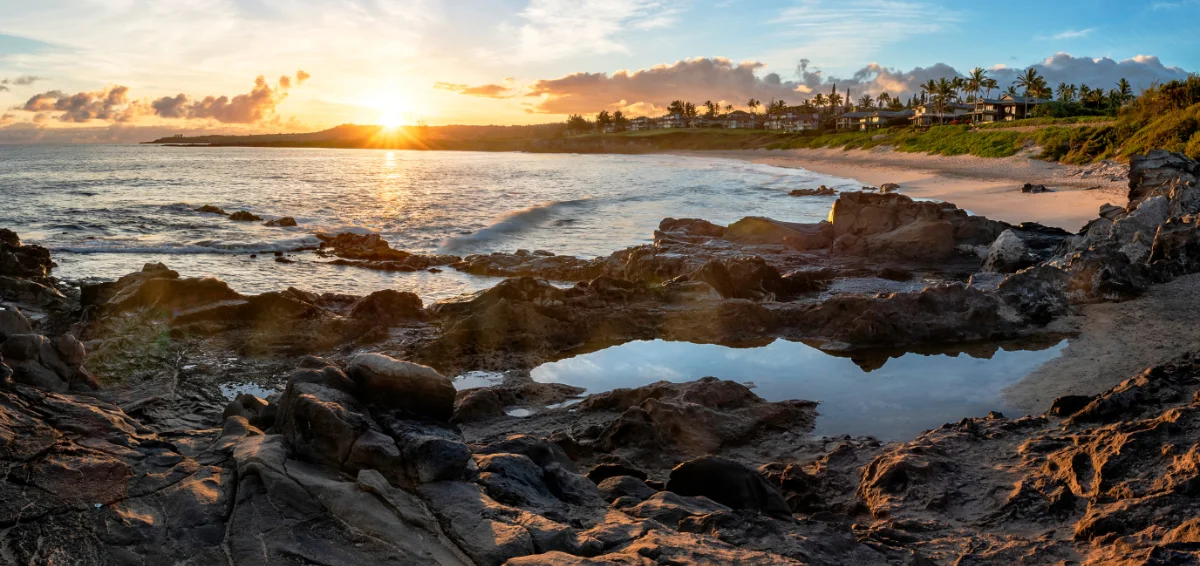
[{"x": 896, "y": 400}]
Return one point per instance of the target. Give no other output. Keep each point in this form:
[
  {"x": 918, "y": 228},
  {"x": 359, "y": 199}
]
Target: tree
[
  {"x": 728, "y": 108},
  {"x": 989, "y": 85},
  {"x": 753, "y": 105},
  {"x": 1029, "y": 81},
  {"x": 676, "y": 107},
  {"x": 819, "y": 101},
  {"x": 1124, "y": 91},
  {"x": 712, "y": 109},
  {"x": 603, "y": 119},
  {"x": 578, "y": 124},
  {"x": 835, "y": 101},
  {"x": 883, "y": 100},
  {"x": 620, "y": 121},
  {"x": 944, "y": 92},
  {"x": 975, "y": 84},
  {"x": 689, "y": 110},
  {"x": 866, "y": 101}
]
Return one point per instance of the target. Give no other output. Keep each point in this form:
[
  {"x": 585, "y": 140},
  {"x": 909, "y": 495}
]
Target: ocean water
[{"x": 106, "y": 210}]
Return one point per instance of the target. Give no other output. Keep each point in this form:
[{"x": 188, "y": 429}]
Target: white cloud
[
  {"x": 849, "y": 31},
  {"x": 556, "y": 29},
  {"x": 1067, "y": 34}
]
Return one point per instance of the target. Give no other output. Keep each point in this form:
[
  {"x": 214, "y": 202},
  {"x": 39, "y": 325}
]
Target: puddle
[
  {"x": 232, "y": 390},
  {"x": 519, "y": 412},
  {"x": 473, "y": 379},
  {"x": 890, "y": 397}
]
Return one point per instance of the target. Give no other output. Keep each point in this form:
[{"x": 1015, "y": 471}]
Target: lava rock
[
  {"x": 393, "y": 384},
  {"x": 729, "y": 483}
]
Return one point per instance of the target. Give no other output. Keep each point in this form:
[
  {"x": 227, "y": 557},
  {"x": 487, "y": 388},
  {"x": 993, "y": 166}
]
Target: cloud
[
  {"x": 854, "y": 30},
  {"x": 488, "y": 91},
  {"x": 255, "y": 106},
  {"x": 3, "y": 88},
  {"x": 1067, "y": 34},
  {"x": 23, "y": 80},
  {"x": 556, "y": 29},
  {"x": 285, "y": 82},
  {"x": 36, "y": 133},
  {"x": 108, "y": 104},
  {"x": 716, "y": 79},
  {"x": 302, "y": 76}
]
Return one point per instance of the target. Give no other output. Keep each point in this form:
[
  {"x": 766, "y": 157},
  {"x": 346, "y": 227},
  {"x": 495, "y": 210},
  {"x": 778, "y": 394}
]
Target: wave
[
  {"x": 514, "y": 222},
  {"x": 192, "y": 248}
]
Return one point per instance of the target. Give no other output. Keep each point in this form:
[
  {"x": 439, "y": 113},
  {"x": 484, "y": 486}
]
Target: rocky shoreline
[{"x": 119, "y": 447}]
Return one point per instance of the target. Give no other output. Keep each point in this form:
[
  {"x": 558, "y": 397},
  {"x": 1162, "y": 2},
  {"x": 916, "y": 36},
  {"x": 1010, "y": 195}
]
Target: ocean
[{"x": 104, "y": 211}]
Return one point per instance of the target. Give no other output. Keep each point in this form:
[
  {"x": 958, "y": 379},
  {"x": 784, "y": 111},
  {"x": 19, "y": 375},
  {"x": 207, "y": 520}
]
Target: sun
[{"x": 391, "y": 118}]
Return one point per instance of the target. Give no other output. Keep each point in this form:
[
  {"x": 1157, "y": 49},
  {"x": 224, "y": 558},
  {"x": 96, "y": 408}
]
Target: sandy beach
[{"x": 985, "y": 186}]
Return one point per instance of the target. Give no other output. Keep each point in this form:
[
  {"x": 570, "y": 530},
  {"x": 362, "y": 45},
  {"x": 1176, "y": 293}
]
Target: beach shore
[{"x": 984, "y": 186}]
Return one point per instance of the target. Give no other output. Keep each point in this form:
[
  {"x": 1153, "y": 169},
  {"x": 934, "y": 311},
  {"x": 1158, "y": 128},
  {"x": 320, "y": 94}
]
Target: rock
[
  {"x": 602, "y": 472},
  {"x": 1145, "y": 219},
  {"x": 1111, "y": 212},
  {"x": 210, "y": 209},
  {"x": 690, "y": 227},
  {"x": 244, "y": 216},
  {"x": 477, "y": 405},
  {"x": 257, "y": 412},
  {"x": 1034, "y": 189},
  {"x": 393, "y": 384},
  {"x": 743, "y": 278},
  {"x": 1167, "y": 174},
  {"x": 729, "y": 483},
  {"x": 819, "y": 191},
  {"x": 13, "y": 322},
  {"x": 361, "y": 247},
  {"x": 616, "y": 487},
  {"x": 285, "y": 222},
  {"x": 1008, "y": 254},
  {"x": 759, "y": 230},
  {"x": 388, "y": 307},
  {"x": 50, "y": 364},
  {"x": 1068, "y": 405},
  {"x": 889, "y": 187},
  {"x": 22, "y": 261}
]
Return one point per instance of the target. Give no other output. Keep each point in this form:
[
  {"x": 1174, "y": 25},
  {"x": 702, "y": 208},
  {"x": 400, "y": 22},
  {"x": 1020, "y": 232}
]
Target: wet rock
[
  {"x": 284, "y": 222},
  {"x": 257, "y": 412},
  {"x": 477, "y": 405},
  {"x": 1030, "y": 188},
  {"x": 51, "y": 364},
  {"x": 244, "y": 216},
  {"x": 690, "y": 227},
  {"x": 371, "y": 247},
  {"x": 743, "y": 278},
  {"x": 393, "y": 384},
  {"x": 22, "y": 261},
  {"x": 759, "y": 230},
  {"x": 602, "y": 472},
  {"x": 894, "y": 224},
  {"x": 13, "y": 322},
  {"x": 616, "y": 487},
  {"x": 821, "y": 191},
  {"x": 1008, "y": 254},
  {"x": 210, "y": 209},
  {"x": 388, "y": 307},
  {"x": 729, "y": 483}
]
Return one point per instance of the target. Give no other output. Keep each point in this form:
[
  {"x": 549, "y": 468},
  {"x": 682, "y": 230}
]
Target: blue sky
[{"x": 476, "y": 61}]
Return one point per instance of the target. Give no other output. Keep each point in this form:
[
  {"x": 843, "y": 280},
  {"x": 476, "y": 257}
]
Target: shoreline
[{"x": 984, "y": 186}]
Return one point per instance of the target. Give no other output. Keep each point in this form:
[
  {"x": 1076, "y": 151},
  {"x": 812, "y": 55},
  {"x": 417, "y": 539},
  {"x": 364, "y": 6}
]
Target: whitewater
[{"x": 104, "y": 211}]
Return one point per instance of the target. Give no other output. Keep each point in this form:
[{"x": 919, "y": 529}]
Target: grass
[{"x": 1077, "y": 140}]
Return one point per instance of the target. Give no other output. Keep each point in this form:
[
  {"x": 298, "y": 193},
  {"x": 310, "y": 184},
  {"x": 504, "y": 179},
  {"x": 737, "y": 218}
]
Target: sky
[{"x": 121, "y": 70}]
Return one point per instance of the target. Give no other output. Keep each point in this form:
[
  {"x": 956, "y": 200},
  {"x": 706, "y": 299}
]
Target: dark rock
[
  {"x": 257, "y": 412},
  {"x": 210, "y": 209},
  {"x": 601, "y": 472},
  {"x": 821, "y": 191},
  {"x": 388, "y": 307},
  {"x": 889, "y": 188},
  {"x": 727, "y": 482},
  {"x": 1030, "y": 188},
  {"x": 285, "y": 222},
  {"x": 477, "y": 405},
  {"x": 1068, "y": 405},
  {"x": 616, "y": 487},
  {"x": 759, "y": 230},
  {"x": 23, "y": 261},
  {"x": 13, "y": 322},
  {"x": 244, "y": 216},
  {"x": 393, "y": 384}
]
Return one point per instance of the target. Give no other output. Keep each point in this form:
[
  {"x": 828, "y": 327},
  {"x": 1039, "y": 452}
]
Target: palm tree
[
  {"x": 1062, "y": 92},
  {"x": 1124, "y": 90},
  {"x": 728, "y": 108},
  {"x": 712, "y": 109},
  {"x": 1071, "y": 92},
  {"x": 944, "y": 91},
  {"x": 1085, "y": 93},
  {"x": 989, "y": 85},
  {"x": 975, "y": 83},
  {"x": 1028, "y": 81},
  {"x": 866, "y": 101},
  {"x": 819, "y": 101},
  {"x": 883, "y": 100},
  {"x": 753, "y": 104},
  {"x": 835, "y": 101}
]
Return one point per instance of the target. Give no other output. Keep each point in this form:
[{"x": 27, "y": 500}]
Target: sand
[
  {"x": 984, "y": 186},
  {"x": 1115, "y": 341}
]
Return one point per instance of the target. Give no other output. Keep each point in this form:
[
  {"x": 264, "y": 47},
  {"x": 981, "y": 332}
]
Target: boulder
[
  {"x": 690, "y": 227},
  {"x": 22, "y": 261},
  {"x": 361, "y": 247},
  {"x": 625, "y": 486},
  {"x": 285, "y": 222},
  {"x": 729, "y": 483},
  {"x": 1008, "y": 254},
  {"x": 388, "y": 307},
  {"x": 760, "y": 230},
  {"x": 244, "y": 216},
  {"x": 13, "y": 322},
  {"x": 477, "y": 405},
  {"x": 393, "y": 384},
  {"x": 867, "y": 214},
  {"x": 889, "y": 187},
  {"x": 1030, "y": 188},
  {"x": 1167, "y": 174},
  {"x": 1145, "y": 220},
  {"x": 210, "y": 209},
  {"x": 821, "y": 191}
]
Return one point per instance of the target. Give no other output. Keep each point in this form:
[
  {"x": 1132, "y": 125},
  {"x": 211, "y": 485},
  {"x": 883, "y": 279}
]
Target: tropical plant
[
  {"x": 577, "y": 124},
  {"x": 712, "y": 109},
  {"x": 603, "y": 119},
  {"x": 866, "y": 101},
  {"x": 883, "y": 100},
  {"x": 1124, "y": 91},
  {"x": 620, "y": 121},
  {"x": 944, "y": 92},
  {"x": 975, "y": 85},
  {"x": 753, "y": 105},
  {"x": 677, "y": 107},
  {"x": 819, "y": 100},
  {"x": 1029, "y": 81}
]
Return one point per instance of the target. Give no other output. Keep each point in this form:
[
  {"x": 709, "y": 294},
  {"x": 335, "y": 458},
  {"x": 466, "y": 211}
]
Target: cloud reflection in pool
[{"x": 891, "y": 399}]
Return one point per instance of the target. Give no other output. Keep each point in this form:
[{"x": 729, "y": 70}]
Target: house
[
  {"x": 739, "y": 119},
  {"x": 610, "y": 128},
  {"x": 639, "y": 124},
  {"x": 886, "y": 118},
  {"x": 674, "y": 121},
  {"x": 792, "y": 122},
  {"x": 927, "y": 115},
  {"x": 852, "y": 120},
  {"x": 987, "y": 110},
  {"x": 1011, "y": 108}
]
